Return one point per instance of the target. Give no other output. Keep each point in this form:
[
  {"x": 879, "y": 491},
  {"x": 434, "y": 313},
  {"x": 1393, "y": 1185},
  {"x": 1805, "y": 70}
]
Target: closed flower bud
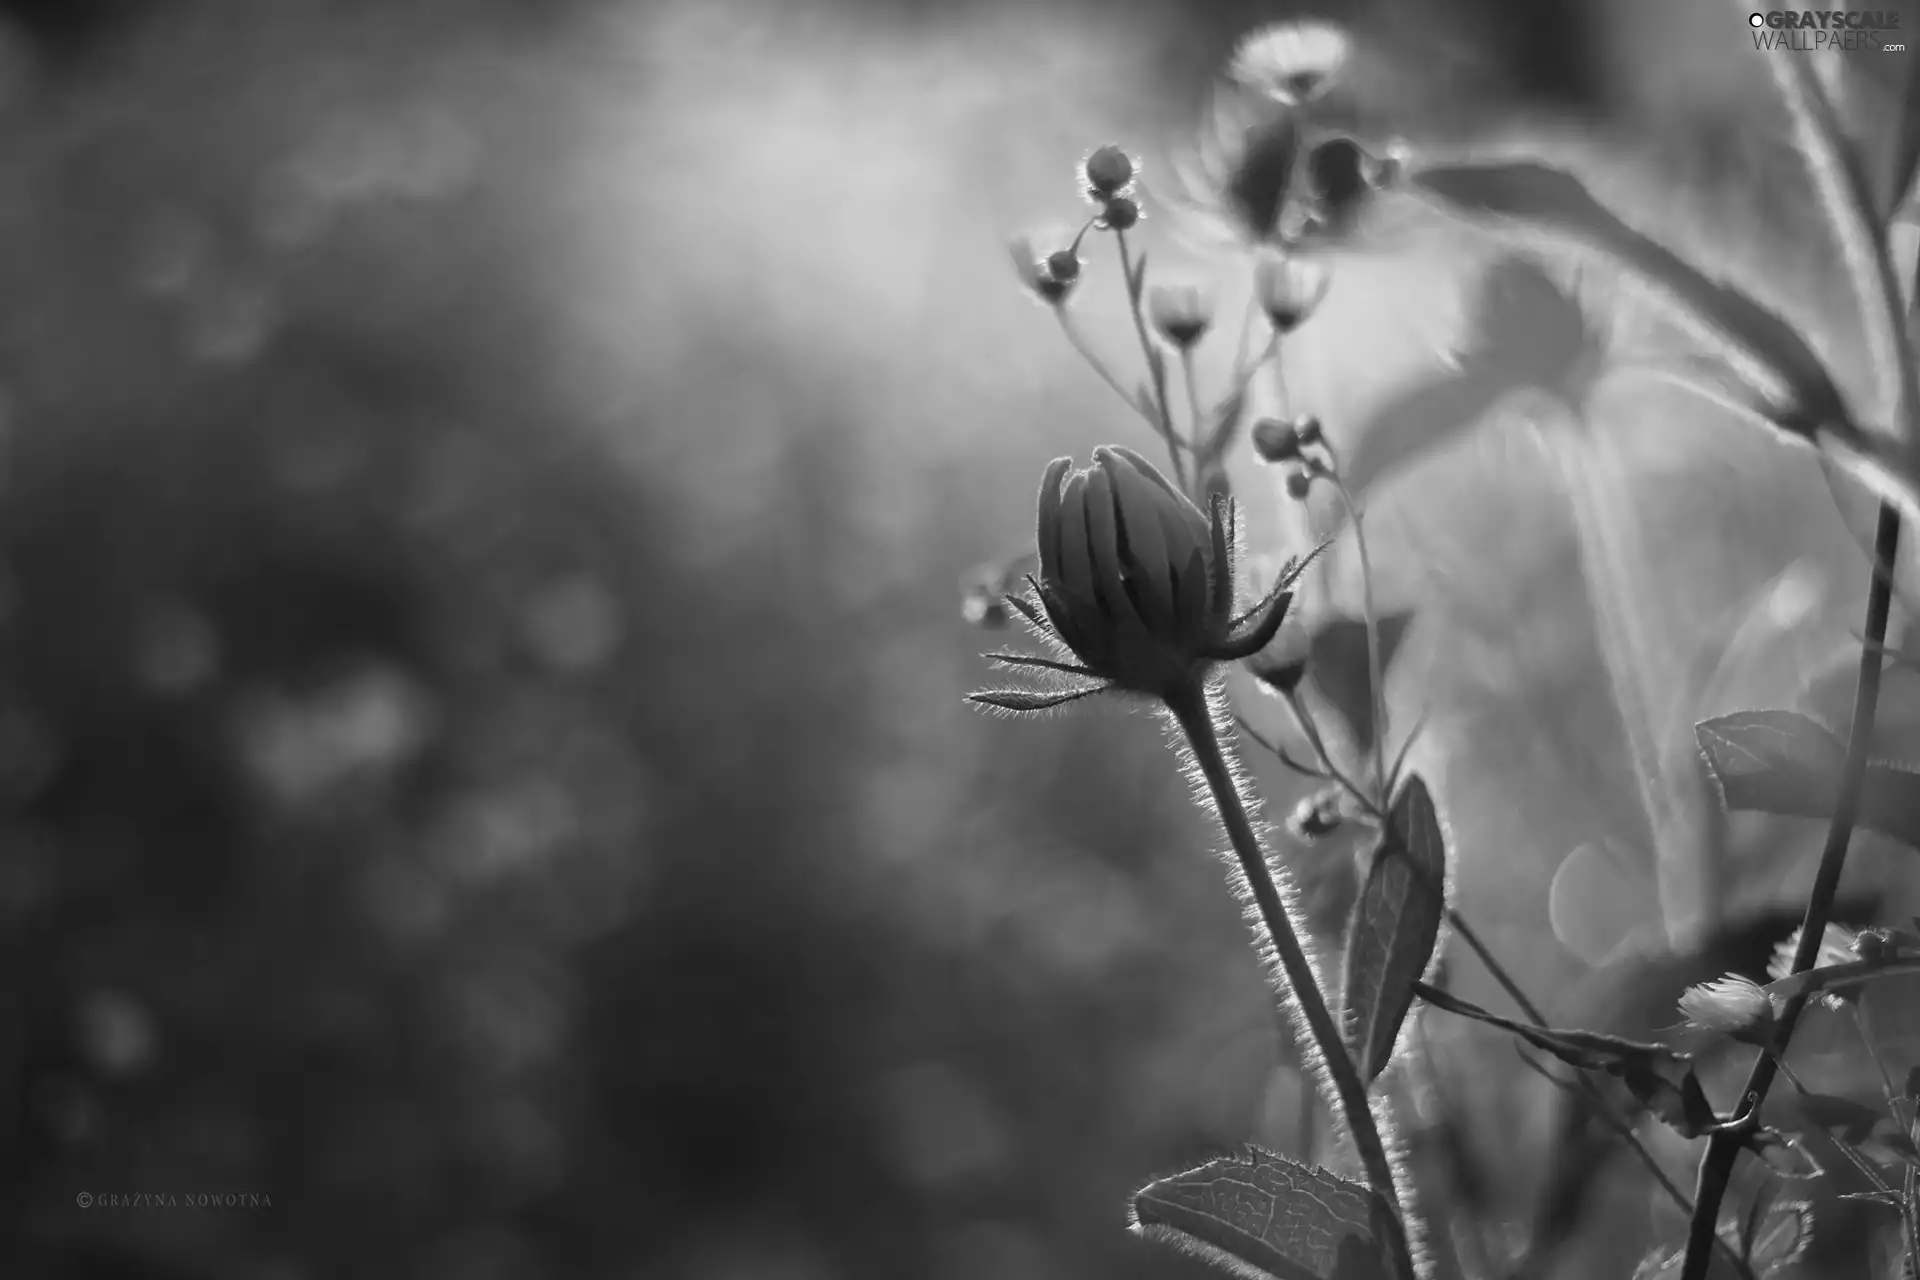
[
  {"x": 1136, "y": 582},
  {"x": 1119, "y": 214},
  {"x": 1181, "y": 313},
  {"x": 1064, "y": 266},
  {"x": 1299, "y": 484},
  {"x": 1036, "y": 270},
  {"x": 1107, "y": 171},
  {"x": 1289, "y": 291},
  {"x": 1276, "y": 441},
  {"x": 1735, "y": 1007},
  {"x": 1307, "y": 428}
]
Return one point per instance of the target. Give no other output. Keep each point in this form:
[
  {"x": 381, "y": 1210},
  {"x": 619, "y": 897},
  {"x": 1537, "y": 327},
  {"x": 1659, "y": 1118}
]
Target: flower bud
[
  {"x": 1291, "y": 62},
  {"x": 1136, "y": 582},
  {"x": 1299, "y": 484},
  {"x": 1107, "y": 171},
  {"x": 1838, "y": 945},
  {"x": 1181, "y": 313},
  {"x": 1735, "y": 1007},
  {"x": 1064, "y": 266},
  {"x": 1037, "y": 272},
  {"x": 1306, "y": 428},
  {"x": 1289, "y": 290},
  {"x": 1276, "y": 441},
  {"x": 1119, "y": 214}
]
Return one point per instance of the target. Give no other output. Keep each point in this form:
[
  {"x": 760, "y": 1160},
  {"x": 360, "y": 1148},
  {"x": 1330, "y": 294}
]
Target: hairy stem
[
  {"x": 1192, "y": 712},
  {"x": 1723, "y": 1149}
]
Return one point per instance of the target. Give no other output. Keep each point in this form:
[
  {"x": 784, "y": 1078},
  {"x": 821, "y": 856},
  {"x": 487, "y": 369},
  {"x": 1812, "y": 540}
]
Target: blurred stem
[
  {"x": 1873, "y": 1051},
  {"x": 1197, "y": 418},
  {"x": 1723, "y": 1149},
  {"x": 1596, "y": 1100},
  {"x": 1597, "y": 484},
  {"x": 1376, "y": 682},
  {"x": 1156, "y": 363},
  {"x": 1192, "y": 711},
  {"x": 1071, "y": 327}
]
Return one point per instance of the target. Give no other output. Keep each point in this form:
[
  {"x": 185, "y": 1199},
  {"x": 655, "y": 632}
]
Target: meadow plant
[{"x": 1139, "y": 585}]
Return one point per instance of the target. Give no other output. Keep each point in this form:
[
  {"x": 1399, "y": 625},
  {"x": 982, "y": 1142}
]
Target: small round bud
[
  {"x": 1299, "y": 483},
  {"x": 1306, "y": 428},
  {"x": 1276, "y": 441},
  {"x": 1064, "y": 266},
  {"x": 1120, "y": 214},
  {"x": 1181, "y": 313},
  {"x": 1872, "y": 947},
  {"x": 1108, "y": 171},
  {"x": 1052, "y": 289}
]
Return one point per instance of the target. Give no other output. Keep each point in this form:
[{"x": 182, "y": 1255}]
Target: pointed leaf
[
  {"x": 1588, "y": 1050},
  {"x": 1832, "y": 976},
  {"x": 1784, "y": 763},
  {"x": 1394, "y": 928},
  {"x": 1775, "y": 761},
  {"x": 1269, "y": 1216},
  {"x": 1029, "y": 701}
]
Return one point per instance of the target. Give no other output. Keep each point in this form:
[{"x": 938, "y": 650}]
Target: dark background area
[{"x": 485, "y": 490}]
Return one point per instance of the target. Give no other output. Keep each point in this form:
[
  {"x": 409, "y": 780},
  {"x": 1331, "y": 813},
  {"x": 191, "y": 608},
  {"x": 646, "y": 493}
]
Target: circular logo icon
[
  {"x": 84, "y": 1199},
  {"x": 1756, "y": 19}
]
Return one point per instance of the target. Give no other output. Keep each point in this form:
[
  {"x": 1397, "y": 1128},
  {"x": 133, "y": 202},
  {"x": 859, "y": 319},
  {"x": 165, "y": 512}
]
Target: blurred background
[{"x": 486, "y": 494}]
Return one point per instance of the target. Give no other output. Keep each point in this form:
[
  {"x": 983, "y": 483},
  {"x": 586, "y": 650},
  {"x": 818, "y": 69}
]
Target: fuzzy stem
[
  {"x": 1716, "y": 1166},
  {"x": 1192, "y": 712}
]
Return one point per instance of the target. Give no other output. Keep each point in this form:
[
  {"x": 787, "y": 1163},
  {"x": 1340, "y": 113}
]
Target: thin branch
[{"x": 1716, "y": 1165}]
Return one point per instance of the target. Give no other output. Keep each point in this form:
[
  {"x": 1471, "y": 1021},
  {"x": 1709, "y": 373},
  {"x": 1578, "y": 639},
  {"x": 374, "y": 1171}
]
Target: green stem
[
  {"x": 1156, "y": 363},
  {"x": 1376, "y": 679},
  {"x": 1192, "y": 711},
  {"x": 1716, "y": 1165}
]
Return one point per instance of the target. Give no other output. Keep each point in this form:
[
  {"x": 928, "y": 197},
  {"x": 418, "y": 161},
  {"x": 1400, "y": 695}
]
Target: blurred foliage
[{"x": 484, "y": 494}]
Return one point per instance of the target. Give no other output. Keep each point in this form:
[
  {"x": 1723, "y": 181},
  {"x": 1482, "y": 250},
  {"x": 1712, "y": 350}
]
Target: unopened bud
[
  {"x": 1181, "y": 313},
  {"x": 1120, "y": 214},
  {"x": 1276, "y": 441},
  {"x": 1307, "y": 428},
  {"x": 1064, "y": 266},
  {"x": 1289, "y": 290},
  {"x": 1299, "y": 484},
  {"x": 1107, "y": 171}
]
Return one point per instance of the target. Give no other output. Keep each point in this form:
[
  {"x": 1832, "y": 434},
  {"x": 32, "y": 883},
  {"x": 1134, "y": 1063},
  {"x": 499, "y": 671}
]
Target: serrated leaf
[
  {"x": 1394, "y": 927},
  {"x": 1270, "y": 1216}
]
